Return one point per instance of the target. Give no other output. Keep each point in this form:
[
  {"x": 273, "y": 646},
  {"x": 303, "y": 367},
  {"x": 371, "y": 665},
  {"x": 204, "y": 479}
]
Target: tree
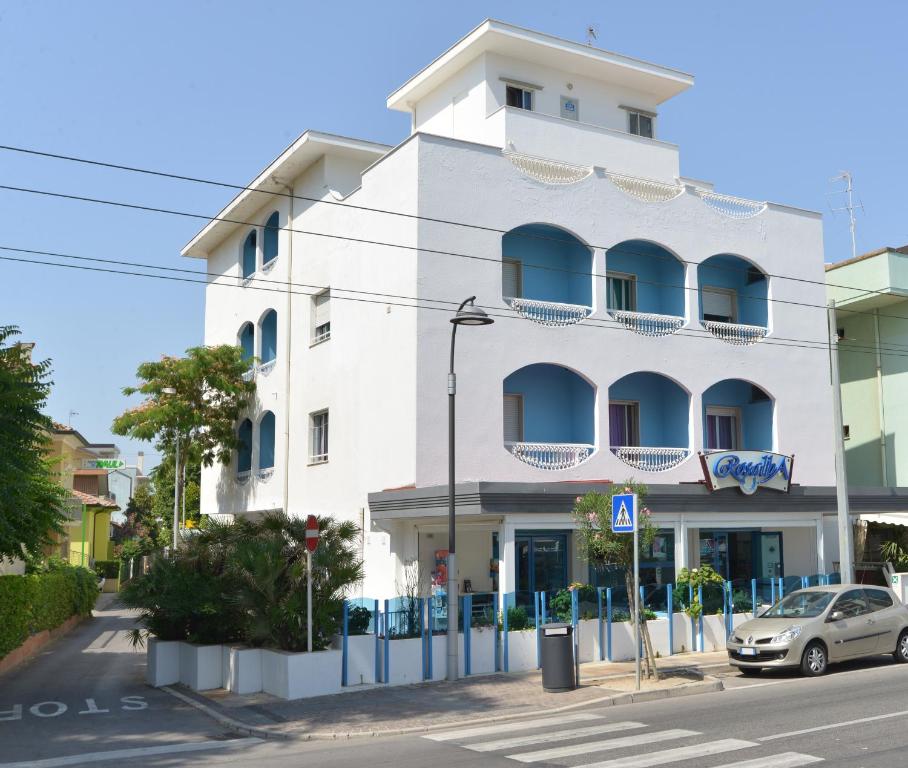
[
  {"x": 602, "y": 546},
  {"x": 31, "y": 502},
  {"x": 210, "y": 394}
]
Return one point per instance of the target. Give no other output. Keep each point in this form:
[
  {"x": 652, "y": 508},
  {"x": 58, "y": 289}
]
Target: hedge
[
  {"x": 109, "y": 569},
  {"x": 30, "y": 604}
]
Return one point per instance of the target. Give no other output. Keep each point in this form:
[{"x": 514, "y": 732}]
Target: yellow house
[{"x": 87, "y": 529}]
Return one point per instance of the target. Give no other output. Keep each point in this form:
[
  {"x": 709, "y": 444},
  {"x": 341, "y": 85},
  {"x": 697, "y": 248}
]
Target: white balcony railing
[
  {"x": 650, "y": 459},
  {"x": 250, "y": 374},
  {"x": 549, "y": 171},
  {"x": 734, "y": 333},
  {"x": 551, "y": 455},
  {"x": 647, "y": 323},
  {"x": 549, "y": 313}
]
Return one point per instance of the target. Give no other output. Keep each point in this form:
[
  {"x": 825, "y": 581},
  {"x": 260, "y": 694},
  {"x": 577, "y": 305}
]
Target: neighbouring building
[
  {"x": 871, "y": 300},
  {"x": 82, "y": 469},
  {"x": 641, "y": 318}
]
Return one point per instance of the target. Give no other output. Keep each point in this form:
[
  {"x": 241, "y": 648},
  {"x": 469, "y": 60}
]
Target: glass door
[{"x": 541, "y": 565}]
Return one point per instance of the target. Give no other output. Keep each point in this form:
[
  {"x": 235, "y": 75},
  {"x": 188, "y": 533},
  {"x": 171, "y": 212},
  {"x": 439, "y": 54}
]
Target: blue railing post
[
  {"x": 608, "y": 623},
  {"x": 387, "y": 642},
  {"x": 693, "y": 623},
  {"x": 504, "y": 626},
  {"x": 421, "y": 602},
  {"x": 467, "y": 621},
  {"x": 599, "y": 591},
  {"x": 495, "y": 630},
  {"x": 781, "y": 588},
  {"x": 700, "y": 598},
  {"x": 430, "y": 640},
  {"x": 669, "y": 606},
  {"x": 753, "y": 597},
  {"x": 344, "y": 651},
  {"x": 575, "y": 608},
  {"x": 376, "y": 625},
  {"x": 730, "y": 611},
  {"x": 538, "y": 634},
  {"x": 772, "y": 591},
  {"x": 803, "y": 582},
  {"x": 545, "y": 619}
]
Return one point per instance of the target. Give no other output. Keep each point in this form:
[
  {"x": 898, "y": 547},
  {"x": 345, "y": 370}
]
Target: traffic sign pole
[
  {"x": 311, "y": 545},
  {"x": 637, "y": 603},
  {"x": 625, "y": 511}
]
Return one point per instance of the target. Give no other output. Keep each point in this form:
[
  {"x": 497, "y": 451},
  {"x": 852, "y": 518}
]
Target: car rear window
[{"x": 878, "y": 599}]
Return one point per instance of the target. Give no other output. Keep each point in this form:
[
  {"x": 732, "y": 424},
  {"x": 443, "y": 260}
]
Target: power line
[
  {"x": 319, "y": 287},
  {"x": 589, "y": 322},
  {"x": 366, "y": 241},
  {"x": 353, "y": 206}
]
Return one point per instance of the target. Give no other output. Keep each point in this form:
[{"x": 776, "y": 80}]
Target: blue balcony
[
  {"x": 546, "y": 274},
  {"x": 649, "y": 421},
  {"x": 549, "y": 416},
  {"x": 733, "y": 297},
  {"x": 737, "y": 416},
  {"x": 645, "y": 287}
]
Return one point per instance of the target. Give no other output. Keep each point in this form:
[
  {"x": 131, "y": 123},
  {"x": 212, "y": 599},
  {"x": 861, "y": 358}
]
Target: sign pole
[
  {"x": 308, "y": 601},
  {"x": 637, "y": 603}
]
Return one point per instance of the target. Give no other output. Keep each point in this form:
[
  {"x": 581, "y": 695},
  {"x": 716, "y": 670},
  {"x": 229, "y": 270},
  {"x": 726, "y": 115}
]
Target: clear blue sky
[{"x": 787, "y": 94}]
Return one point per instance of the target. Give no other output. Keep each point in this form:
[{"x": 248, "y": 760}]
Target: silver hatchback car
[{"x": 812, "y": 628}]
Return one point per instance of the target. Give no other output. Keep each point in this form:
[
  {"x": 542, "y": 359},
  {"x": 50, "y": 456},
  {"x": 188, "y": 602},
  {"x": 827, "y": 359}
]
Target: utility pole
[{"x": 846, "y": 566}]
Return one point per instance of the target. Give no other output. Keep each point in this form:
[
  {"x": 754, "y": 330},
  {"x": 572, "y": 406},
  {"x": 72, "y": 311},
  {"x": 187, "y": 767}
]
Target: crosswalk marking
[
  {"x": 783, "y": 760},
  {"x": 674, "y": 755},
  {"x": 542, "y": 738},
  {"x": 600, "y": 746},
  {"x": 524, "y": 725}
]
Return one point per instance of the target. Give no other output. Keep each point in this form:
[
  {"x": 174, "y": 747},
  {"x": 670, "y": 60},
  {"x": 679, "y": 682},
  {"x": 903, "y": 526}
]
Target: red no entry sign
[{"x": 311, "y": 533}]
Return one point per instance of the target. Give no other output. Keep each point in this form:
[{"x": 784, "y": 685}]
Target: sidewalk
[{"x": 376, "y": 710}]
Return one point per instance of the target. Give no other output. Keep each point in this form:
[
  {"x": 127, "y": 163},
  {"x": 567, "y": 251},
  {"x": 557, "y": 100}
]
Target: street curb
[{"x": 271, "y": 732}]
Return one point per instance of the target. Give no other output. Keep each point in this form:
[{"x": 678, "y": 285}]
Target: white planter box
[
  {"x": 439, "y": 657},
  {"x": 201, "y": 666},
  {"x": 482, "y": 651},
  {"x": 301, "y": 675},
  {"x": 162, "y": 662},
  {"x": 360, "y": 658},
  {"x": 405, "y": 662},
  {"x": 521, "y": 651},
  {"x": 242, "y": 669}
]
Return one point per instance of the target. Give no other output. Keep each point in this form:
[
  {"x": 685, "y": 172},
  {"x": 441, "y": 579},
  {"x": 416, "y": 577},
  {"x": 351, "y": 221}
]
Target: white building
[{"x": 641, "y": 318}]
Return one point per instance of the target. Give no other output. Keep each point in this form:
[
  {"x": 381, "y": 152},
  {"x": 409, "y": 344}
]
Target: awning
[{"x": 894, "y": 518}]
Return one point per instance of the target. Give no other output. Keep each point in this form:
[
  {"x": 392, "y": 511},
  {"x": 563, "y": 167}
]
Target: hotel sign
[
  {"x": 103, "y": 464},
  {"x": 747, "y": 470}
]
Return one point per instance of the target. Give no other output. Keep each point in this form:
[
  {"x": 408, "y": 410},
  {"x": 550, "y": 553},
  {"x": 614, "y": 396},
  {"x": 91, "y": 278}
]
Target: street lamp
[
  {"x": 471, "y": 316},
  {"x": 176, "y": 479}
]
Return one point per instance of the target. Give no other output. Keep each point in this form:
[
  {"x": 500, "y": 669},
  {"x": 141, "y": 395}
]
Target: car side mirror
[{"x": 836, "y": 616}]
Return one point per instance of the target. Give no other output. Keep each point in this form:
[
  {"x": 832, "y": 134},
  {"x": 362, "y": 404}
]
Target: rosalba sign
[{"x": 747, "y": 470}]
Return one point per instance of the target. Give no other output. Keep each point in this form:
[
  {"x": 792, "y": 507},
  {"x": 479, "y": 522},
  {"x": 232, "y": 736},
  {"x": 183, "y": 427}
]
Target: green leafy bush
[
  {"x": 108, "y": 569},
  {"x": 39, "y": 601},
  {"x": 587, "y": 603},
  {"x": 518, "y": 619},
  {"x": 358, "y": 618}
]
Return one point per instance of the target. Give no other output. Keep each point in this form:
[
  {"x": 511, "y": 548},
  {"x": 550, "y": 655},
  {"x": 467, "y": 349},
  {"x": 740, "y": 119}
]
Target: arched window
[
  {"x": 244, "y": 452},
  {"x": 249, "y": 255},
  {"x": 247, "y": 341},
  {"x": 266, "y": 441},
  {"x": 269, "y": 241},
  {"x": 269, "y": 336}
]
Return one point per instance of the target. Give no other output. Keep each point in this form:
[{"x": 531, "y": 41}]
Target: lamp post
[
  {"x": 471, "y": 316},
  {"x": 176, "y": 477}
]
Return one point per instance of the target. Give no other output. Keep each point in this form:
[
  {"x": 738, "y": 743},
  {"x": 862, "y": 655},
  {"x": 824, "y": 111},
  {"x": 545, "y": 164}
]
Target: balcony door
[
  {"x": 541, "y": 564},
  {"x": 511, "y": 279},
  {"x": 719, "y": 304},
  {"x": 513, "y": 419},
  {"x": 623, "y": 423},
  {"x": 723, "y": 429},
  {"x": 622, "y": 292}
]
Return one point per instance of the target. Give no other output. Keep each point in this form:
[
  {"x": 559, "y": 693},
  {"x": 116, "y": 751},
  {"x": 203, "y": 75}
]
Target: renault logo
[{"x": 750, "y": 639}]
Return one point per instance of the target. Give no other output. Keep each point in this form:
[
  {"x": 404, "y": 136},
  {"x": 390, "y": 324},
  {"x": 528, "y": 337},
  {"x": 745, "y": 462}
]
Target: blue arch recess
[
  {"x": 660, "y": 276},
  {"x": 749, "y": 284},
  {"x": 269, "y": 240},
  {"x": 664, "y": 408},
  {"x": 558, "y": 405},
  {"x": 556, "y": 265},
  {"x": 269, "y": 336},
  {"x": 756, "y": 411},
  {"x": 266, "y": 441},
  {"x": 247, "y": 341},
  {"x": 244, "y": 452},
  {"x": 249, "y": 255}
]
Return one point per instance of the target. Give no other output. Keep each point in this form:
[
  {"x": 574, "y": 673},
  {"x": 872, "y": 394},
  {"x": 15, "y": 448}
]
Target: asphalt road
[
  {"x": 856, "y": 716},
  {"x": 86, "y": 693}
]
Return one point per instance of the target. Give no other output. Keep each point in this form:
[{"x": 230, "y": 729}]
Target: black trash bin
[{"x": 558, "y": 657}]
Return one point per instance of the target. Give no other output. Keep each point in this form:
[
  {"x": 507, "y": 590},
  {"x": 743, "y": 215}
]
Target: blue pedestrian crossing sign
[{"x": 624, "y": 513}]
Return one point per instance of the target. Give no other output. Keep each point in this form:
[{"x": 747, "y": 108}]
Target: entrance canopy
[{"x": 895, "y": 518}]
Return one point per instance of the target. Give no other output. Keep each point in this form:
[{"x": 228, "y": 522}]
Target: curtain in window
[
  {"x": 721, "y": 433},
  {"x": 269, "y": 336},
  {"x": 249, "y": 255},
  {"x": 617, "y": 424},
  {"x": 244, "y": 452},
  {"x": 269, "y": 240},
  {"x": 266, "y": 441}
]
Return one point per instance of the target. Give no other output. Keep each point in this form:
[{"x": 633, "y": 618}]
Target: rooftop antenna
[
  {"x": 71, "y": 414},
  {"x": 592, "y": 33},
  {"x": 850, "y": 206}
]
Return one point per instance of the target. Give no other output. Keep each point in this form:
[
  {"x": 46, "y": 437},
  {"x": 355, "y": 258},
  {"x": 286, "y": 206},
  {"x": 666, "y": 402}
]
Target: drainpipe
[
  {"x": 879, "y": 394},
  {"x": 84, "y": 541},
  {"x": 288, "y": 332}
]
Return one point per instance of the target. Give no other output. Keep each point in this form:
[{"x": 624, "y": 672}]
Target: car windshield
[{"x": 799, "y": 604}]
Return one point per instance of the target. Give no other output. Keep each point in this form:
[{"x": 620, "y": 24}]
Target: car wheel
[
  {"x": 813, "y": 662},
  {"x": 901, "y": 649},
  {"x": 750, "y": 671}
]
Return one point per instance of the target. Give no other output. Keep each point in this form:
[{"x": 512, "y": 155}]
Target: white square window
[
  {"x": 622, "y": 291},
  {"x": 719, "y": 304},
  {"x": 318, "y": 437},
  {"x": 321, "y": 316},
  {"x": 522, "y": 98}
]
